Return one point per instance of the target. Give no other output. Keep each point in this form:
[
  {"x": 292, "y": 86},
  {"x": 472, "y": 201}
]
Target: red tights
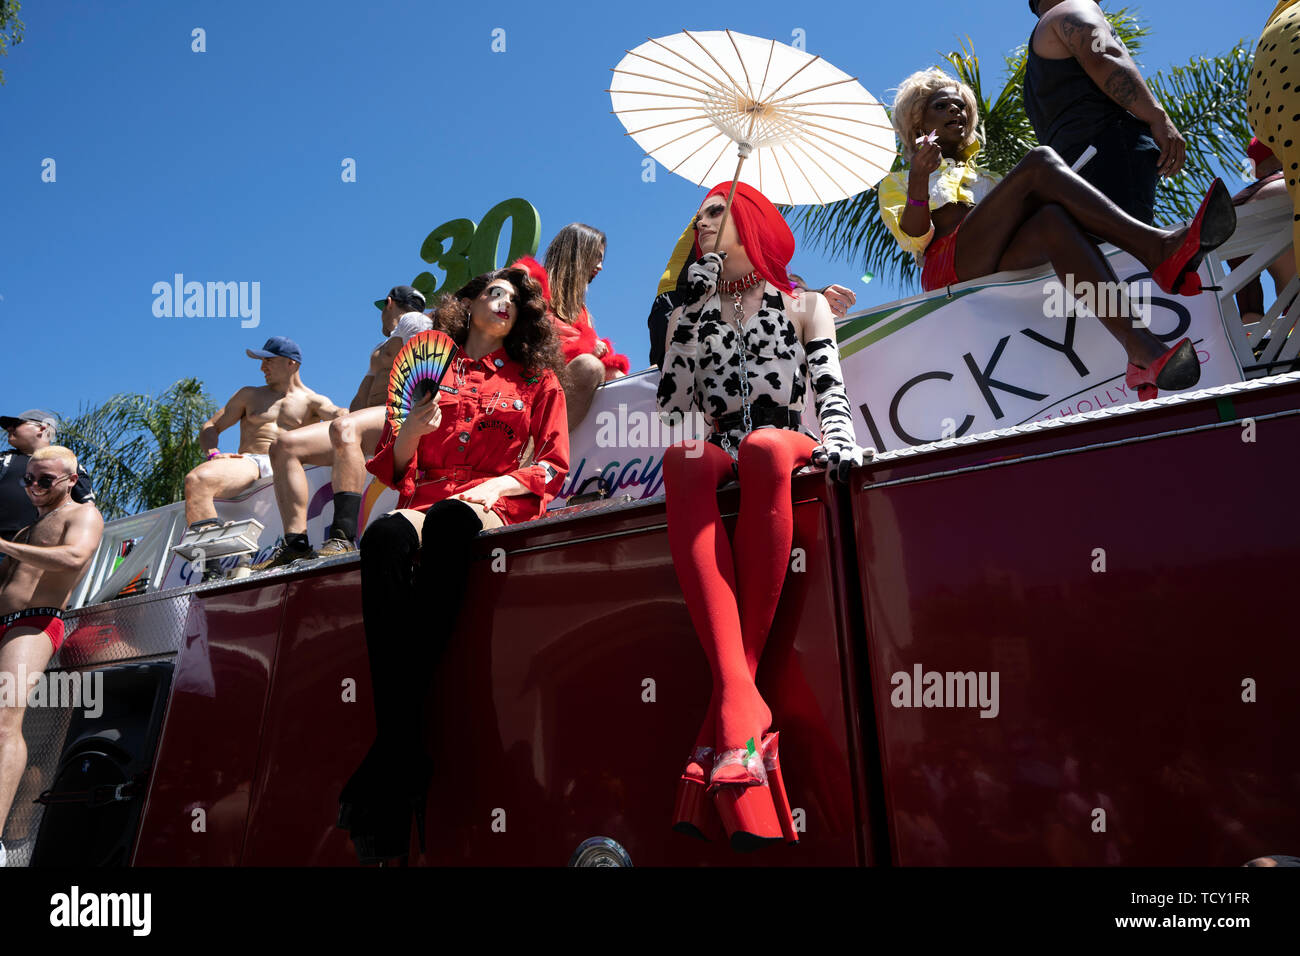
[{"x": 732, "y": 602}]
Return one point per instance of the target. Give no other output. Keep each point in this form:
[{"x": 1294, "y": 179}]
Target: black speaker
[{"x": 92, "y": 810}]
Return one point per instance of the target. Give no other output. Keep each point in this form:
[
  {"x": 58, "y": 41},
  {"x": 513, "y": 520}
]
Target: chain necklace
[
  {"x": 40, "y": 518},
  {"x": 736, "y": 290}
]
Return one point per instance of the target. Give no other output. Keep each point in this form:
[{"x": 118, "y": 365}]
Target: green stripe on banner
[
  {"x": 1226, "y": 412},
  {"x": 904, "y": 320},
  {"x": 850, "y": 329}
]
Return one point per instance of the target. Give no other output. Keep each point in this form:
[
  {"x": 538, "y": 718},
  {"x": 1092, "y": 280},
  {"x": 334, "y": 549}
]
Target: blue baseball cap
[{"x": 277, "y": 347}]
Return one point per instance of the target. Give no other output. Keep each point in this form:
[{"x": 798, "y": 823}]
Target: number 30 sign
[{"x": 463, "y": 250}]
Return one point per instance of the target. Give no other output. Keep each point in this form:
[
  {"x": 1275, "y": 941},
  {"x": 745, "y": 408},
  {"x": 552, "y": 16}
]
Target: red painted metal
[
  {"x": 1119, "y": 690},
  {"x": 537, "y": 719}
]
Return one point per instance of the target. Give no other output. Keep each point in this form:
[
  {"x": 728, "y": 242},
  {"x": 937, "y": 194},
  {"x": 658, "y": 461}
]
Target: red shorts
[
  {"x": 938, "y": 270},
  {"x": 47, "y": 619}
]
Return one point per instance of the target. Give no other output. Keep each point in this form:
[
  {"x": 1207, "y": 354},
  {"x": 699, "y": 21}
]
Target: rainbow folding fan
[{"x": 418, "y": 371}]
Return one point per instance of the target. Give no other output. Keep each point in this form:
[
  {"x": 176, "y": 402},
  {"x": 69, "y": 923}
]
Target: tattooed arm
[{"x": 1082, "y": 28}]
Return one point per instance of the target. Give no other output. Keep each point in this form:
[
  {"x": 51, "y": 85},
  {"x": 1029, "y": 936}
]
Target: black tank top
[{"x": 1064, "y": 105}]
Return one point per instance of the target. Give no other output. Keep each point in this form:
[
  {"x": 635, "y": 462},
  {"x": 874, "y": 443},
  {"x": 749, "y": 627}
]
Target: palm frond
[
  {"x": 1206, "y": 100},
  {"x": 139, "y": 448}
]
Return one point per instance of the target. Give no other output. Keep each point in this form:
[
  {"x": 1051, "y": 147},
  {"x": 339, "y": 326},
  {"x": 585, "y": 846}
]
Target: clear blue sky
[{"x": 225, "y": 165}]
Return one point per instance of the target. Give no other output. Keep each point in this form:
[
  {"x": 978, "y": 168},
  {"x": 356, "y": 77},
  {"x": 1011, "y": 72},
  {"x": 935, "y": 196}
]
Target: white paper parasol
[{"x": 815, "y": 134}]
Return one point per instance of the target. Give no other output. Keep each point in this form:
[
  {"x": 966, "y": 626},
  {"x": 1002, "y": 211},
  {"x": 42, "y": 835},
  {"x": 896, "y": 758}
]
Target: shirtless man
[
  {"x": 262, "y": 411},
  {"x": 44, "y": 562},
  {"x": 343, "y": 443}
]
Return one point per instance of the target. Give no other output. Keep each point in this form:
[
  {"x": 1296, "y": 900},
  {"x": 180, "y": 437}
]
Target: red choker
[{"x": 737, "y": 286}]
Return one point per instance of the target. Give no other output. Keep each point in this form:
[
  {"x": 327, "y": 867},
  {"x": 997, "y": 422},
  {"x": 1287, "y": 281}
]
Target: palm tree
[
  {"x": 1205, "y": 99},
  {"x": 139, "y": 448},
  {"x": 11, "y": 29}
]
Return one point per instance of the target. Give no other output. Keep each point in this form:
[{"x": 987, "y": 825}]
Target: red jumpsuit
[{"x": 485, "y": 427}]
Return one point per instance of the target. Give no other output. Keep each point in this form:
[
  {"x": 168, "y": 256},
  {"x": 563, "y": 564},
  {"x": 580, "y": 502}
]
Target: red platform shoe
[
  {"x": 693, "y": 812},
  {"x": 1213, "y": 224},
  {"x": 743, "y": 795},
  {"x": 772, "y": 763},
  {"x": 1177, "y": 369}
]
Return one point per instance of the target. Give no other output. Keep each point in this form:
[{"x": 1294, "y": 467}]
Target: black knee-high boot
[{"x": 410, "y": 614}]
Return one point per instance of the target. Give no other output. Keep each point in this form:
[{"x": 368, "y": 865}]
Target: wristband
[
  {"x": 213, "y": 454},
  {"x": 924, "y": 203}
]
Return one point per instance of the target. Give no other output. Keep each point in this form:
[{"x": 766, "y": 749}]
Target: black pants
[
  {"x": 1124, "y": 169},
  {"x": 410, "y": 611}
]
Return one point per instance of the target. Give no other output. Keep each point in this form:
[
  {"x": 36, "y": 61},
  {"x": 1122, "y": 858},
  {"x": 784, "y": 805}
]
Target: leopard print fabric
[{"x": 702, "y": 368}]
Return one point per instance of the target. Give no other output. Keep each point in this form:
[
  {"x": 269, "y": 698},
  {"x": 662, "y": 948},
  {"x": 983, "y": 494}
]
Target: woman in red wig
[{"x": 743, "y": 350}]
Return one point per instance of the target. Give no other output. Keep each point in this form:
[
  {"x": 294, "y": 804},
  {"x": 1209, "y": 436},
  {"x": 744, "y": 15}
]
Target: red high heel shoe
[
  {"x": 1213, "y": 224},
  {"x": 1177, "y": 369},
  {"x": 772, "y": 764},
  {"x": 692, "y": 810},
  {"x": 743, "y": 796}
]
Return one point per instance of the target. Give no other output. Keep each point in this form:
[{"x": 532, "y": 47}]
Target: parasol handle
[{"x": 743, "y": 149}]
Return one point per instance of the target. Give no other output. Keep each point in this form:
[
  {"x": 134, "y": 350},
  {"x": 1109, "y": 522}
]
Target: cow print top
[{"x": 702, "y": 369}]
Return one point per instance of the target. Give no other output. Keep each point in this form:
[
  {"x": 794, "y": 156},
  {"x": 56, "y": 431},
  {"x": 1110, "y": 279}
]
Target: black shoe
[
  {"x": 378, "y": 802},
  {"x": 283, "y": 555}
]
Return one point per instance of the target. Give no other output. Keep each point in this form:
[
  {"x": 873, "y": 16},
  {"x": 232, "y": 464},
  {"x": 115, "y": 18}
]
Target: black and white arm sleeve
[{"x": 839, "y": 450}]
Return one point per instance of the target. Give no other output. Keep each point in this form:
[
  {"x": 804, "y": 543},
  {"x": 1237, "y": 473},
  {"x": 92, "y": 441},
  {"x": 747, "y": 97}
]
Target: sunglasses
[{"x": 45, "y": 482}]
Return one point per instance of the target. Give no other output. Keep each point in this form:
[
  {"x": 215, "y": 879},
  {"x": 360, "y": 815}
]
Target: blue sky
[{"x": 225, "y": 165}]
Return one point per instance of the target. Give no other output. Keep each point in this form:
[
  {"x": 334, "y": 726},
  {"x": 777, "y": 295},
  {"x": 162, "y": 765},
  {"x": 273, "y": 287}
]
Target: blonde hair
[
  {"x": 909, "y": 110},
  {"x": 56, "y": 453}
]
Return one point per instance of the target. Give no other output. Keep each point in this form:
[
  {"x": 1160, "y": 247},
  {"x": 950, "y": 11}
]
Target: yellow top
[
  {"x": 681, "y": 251},
  {"x": 1280, "y": 7},
  {"x": 952, "y": 182}
]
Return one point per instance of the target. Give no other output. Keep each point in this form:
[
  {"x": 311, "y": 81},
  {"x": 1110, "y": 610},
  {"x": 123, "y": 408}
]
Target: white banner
[{"x": 1004, "y": 354}]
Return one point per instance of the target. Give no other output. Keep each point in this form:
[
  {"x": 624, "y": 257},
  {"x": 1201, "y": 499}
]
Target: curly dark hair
[{"x": 532, "y": 341}]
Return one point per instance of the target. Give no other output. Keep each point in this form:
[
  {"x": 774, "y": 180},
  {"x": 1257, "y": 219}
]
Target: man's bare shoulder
[
  {"x": 1070, "y": 28},
  {"x": 82, "y": 517},
  {"x": 242, "y": 395},
  {"x": 70, "y": 518}
]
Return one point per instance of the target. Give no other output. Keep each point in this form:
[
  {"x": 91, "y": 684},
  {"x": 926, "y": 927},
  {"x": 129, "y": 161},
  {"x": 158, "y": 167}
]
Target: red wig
[
  {"x": 763, "y": 232},
  {"x": 537, "y": 271}
]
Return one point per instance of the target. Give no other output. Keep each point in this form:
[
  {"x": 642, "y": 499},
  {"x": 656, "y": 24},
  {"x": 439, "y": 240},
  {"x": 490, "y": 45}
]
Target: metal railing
[{"x": 1263, "y": 233}]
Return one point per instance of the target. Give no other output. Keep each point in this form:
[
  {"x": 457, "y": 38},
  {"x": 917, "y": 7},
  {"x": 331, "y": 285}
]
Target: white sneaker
[{"x": 3, "y": 854}]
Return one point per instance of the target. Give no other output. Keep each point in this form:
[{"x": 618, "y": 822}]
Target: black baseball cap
[
  {"x": 411, "y": 299},
  {"x": 277, "y": 347},
  {"x": 38, "y": 415}
]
